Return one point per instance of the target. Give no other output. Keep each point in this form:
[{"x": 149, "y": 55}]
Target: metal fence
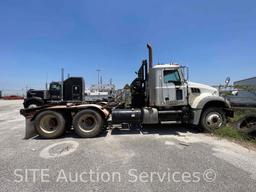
[{"x": 10, "y": 92}]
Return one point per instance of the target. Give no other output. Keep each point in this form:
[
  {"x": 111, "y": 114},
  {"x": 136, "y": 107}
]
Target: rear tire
[
  {"x": 247, "y": 124},
  {"x": 50, "y": 124},
  {"x": 88, "y": 123},
  {"x": 212, "y": 119}
]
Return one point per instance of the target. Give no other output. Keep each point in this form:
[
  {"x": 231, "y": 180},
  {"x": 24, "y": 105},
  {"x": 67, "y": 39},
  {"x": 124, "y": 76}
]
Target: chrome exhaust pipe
[{"x": 150, "y": 56}]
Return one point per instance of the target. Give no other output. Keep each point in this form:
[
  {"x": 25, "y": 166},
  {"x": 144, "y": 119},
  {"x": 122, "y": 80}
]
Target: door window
[{"x": 172, "y": 76}]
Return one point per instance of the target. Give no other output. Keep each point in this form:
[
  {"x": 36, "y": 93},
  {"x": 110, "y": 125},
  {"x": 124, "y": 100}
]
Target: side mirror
[
  {"x": 185, "y": 71},
  {"x": 227, "y": 81}
]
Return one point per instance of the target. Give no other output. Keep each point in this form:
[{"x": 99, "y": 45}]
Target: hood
[{"x": 203, "y": 88}]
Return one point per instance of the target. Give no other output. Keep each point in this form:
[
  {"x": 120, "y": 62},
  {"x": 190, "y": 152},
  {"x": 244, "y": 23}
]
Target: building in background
[
  {"x": 246, "y": 87},
  {"x": 244, "y": 92},
  {"x": 102, "y": 88},
  {"x": 247, "y": 82},
  {"x": 100, "y": 92}
]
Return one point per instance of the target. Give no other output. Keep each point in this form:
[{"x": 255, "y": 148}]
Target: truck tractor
[
  {"x": 160, "y": 94},
  {"x": 72, "y": 90}
]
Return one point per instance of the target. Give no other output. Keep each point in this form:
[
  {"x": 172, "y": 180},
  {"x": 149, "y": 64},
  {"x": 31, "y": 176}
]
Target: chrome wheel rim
[{"x": 214, "y": 120}]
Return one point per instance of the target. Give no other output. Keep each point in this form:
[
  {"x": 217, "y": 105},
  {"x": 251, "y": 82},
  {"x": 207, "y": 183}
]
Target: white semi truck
[{"x": 160, "y": 94}]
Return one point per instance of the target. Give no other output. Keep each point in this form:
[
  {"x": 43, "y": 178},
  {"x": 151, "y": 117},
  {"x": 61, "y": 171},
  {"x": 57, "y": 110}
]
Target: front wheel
[
  {"x": 213, "y": 119},
  {"x": 33, "y": 103}
]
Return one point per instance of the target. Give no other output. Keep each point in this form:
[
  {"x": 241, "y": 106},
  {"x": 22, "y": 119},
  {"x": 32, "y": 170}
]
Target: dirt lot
[{"x": 148, "y": 159}]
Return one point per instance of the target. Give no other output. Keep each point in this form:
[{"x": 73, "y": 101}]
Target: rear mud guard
[{"x": 30, "y": 129}]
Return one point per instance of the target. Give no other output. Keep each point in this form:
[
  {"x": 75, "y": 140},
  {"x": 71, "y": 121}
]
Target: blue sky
[{"x": 215, "y": 39}]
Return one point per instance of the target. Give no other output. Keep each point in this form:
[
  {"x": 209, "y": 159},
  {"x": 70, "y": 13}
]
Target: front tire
[
  {"x": 212, "y": 119},
  {"x": 50, "y": 124},
  {"x": 32, "y": 106},
  {"x": 88, "y": 123},
  {"x": 33, "y": 103}
]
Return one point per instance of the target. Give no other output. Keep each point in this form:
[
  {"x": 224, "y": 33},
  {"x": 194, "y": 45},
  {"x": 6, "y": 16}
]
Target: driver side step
[
  {"x": 170, "y": 116},
  {"x": 171, "y": 122},
  {"x": 171, "y": 112}
]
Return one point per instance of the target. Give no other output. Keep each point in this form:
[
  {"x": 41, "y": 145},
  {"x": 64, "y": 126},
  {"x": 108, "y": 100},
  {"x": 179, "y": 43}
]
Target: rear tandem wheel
[
  {"x": 88, "y": 123},
  {"x": 50, "y": 124}
]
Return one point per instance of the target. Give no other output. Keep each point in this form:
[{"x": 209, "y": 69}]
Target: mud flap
[{"x": 30, "y": 129}]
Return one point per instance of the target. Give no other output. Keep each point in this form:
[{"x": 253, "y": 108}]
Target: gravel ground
[{"x": 149, "y": 159}]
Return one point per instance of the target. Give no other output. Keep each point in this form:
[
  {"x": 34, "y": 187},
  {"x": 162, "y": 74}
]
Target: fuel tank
[{"x": 126, "y": 116}]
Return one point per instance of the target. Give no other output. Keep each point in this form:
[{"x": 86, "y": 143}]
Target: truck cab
[{"x": 167, "y": 86}]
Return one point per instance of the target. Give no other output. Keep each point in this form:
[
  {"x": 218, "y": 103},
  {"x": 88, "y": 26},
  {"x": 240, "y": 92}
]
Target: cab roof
[{"x": 167, "y": 66}]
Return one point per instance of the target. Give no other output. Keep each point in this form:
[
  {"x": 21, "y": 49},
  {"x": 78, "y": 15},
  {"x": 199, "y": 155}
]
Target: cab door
[
  {"x": 174, "y": 88},
  {"x": 55, "y": 90}
]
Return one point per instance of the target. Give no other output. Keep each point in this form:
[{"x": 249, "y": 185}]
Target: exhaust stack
[
  {"x": 150, "y": 56},
  {"x": 62, "y": 84}
]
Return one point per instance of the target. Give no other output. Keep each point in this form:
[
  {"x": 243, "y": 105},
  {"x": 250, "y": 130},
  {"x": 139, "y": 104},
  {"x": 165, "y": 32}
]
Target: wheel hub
[
  {"x": 49, "y": 123},
  {"x": 87, "y": 123},
  {"x": 214, "y": 120}
]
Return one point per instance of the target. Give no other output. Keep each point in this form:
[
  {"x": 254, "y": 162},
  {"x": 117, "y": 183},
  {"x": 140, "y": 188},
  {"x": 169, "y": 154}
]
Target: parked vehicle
[
  {"x": 159, "y": 94},
  {"x": 72, "y": 89}
]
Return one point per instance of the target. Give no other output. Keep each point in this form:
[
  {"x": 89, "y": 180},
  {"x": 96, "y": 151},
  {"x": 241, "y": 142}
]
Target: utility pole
[
  {"x": 46, "y": 83},
  {"x": 100, "y": 82},
  {"x": 62, "y": 83},
  {"x": 98, "y": 70}
]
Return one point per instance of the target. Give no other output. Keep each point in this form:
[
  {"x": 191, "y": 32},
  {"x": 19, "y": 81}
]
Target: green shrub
[{"x": 231, "y": 132}]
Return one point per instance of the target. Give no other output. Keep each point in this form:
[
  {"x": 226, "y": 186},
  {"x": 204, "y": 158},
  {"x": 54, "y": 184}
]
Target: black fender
[{"x": 33, "y": 100}]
